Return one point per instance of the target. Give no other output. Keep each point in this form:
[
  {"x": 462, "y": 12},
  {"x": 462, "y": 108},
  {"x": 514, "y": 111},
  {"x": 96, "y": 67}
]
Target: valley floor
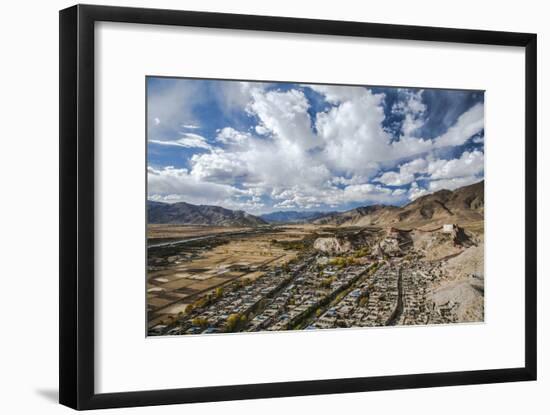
[{"x": 294, "y": 277}]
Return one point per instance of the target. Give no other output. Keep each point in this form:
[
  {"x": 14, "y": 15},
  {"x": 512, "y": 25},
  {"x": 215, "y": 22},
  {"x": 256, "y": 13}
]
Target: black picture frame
[{"x": 76, "y": 279}]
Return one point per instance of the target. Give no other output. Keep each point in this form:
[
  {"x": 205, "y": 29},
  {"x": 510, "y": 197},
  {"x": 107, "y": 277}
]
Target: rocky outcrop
[{"x": 332, "y": 246}]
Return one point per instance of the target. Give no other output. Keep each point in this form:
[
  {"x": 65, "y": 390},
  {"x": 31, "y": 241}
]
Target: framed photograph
[{"x": 258, "y": 207}]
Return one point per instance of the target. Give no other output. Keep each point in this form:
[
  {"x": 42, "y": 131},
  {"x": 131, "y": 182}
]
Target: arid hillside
[
  {"x": 463, "y": 206},
  {"x": 187, "y": 214}
]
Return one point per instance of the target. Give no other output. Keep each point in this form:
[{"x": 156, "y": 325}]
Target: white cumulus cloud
[
  {"x": 297, "y": 160},
  {"x": 188, "y": 140}
]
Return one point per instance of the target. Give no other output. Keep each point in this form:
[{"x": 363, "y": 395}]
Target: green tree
[
  {"x": 200, "y": 321},
  {"x": 326, "y": 282},
  {"x": 232, "y": 322}
]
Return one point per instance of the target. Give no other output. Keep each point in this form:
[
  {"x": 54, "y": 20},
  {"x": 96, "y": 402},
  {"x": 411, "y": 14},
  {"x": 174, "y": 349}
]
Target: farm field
[{"x": 185, "y": 269}]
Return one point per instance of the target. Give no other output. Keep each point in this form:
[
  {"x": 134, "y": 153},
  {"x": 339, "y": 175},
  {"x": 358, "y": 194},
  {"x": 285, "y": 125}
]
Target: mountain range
[
  {"x": 187, "y": 214},
  {"x": 465, "y": 204}
]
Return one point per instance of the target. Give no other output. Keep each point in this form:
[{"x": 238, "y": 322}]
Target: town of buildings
[{"x": 390, "y": 285}]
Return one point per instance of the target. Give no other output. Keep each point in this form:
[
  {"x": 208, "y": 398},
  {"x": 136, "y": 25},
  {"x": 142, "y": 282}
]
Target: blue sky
[{"x": 262, "y": 147}]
